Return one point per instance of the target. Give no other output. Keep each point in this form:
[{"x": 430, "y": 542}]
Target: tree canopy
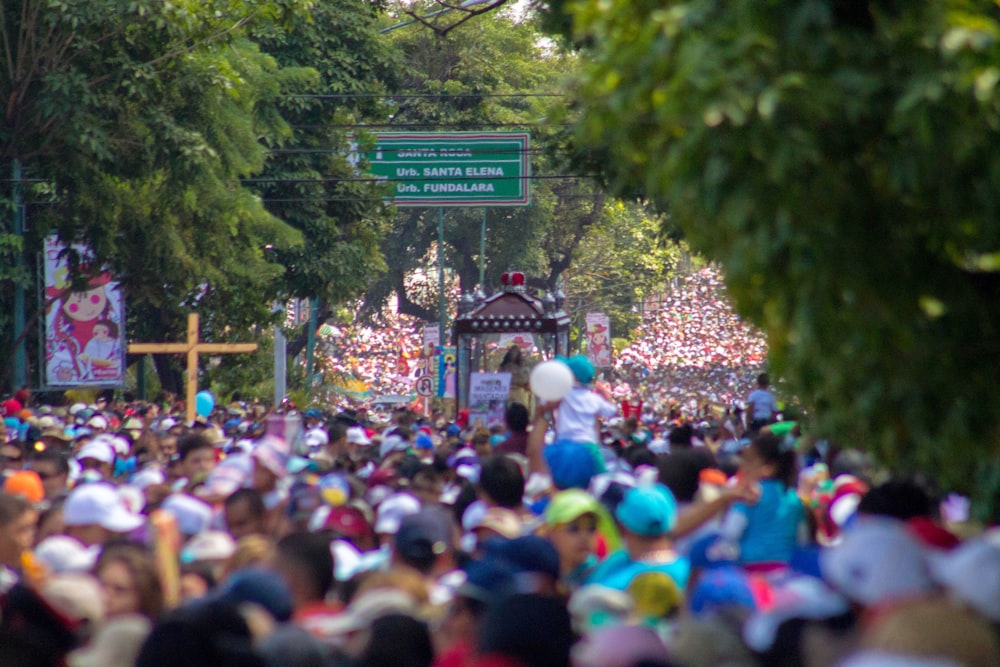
[
  {"x": 195, "y": 149},
  {"x": 492, "y": 73},
  {"x": 840, "y": 160}
]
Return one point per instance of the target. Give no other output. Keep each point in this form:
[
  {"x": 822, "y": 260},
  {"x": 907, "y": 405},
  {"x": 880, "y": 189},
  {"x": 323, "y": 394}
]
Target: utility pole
[{"x": 20, "y": 355}]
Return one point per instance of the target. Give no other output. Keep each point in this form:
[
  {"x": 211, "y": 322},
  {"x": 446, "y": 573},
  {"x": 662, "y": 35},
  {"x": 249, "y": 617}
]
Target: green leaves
[{"x": 845, "y": 177}]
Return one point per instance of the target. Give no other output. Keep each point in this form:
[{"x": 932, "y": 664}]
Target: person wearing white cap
[
  {"x": 971, "y": 573},
  {"x": 391, "y": 512},
  {"x": 94, "y": 513},
  {"x": 60, "y": 554},
  {"x": 98, "y": 456},
  {"x": 98, "y": 423},
  {"x": 357, "y": 441},
  {"x": 316, "y": 438},
  {"x": 878, "y": 564},
  {"x": 192, "y": 515}
]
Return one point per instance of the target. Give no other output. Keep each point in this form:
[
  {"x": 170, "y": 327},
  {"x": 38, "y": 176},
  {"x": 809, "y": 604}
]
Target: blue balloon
[{"x": 204, "y": 403}]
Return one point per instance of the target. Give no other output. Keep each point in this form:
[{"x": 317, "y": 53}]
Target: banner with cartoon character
[
  {"x": 598, "y": 339},
  {"x": 84, "y": 331}
]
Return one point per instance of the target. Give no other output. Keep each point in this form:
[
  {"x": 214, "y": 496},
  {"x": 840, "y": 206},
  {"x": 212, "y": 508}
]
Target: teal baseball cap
[
  {"x": 648, "y": 510},
  {"x": 581, "y": 367}
]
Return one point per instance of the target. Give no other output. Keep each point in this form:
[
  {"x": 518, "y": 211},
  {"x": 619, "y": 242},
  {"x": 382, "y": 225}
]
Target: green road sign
[{"x": 428, "y": 169}]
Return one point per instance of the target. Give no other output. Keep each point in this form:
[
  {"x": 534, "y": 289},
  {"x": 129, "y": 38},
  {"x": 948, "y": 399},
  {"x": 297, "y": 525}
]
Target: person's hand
[{"x": 544, "y": 409}]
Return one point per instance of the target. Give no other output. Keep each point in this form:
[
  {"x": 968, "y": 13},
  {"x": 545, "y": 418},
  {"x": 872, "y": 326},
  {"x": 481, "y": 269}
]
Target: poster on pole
[
  {"x": 83, "y": 330},
  {"x": 446, "y": 370},
  {"x": 432, "y": 338},
  {"x": 488, "y": 394},
  {"x": 598, "y": 339},
  {"x": 426, "y": 359}
]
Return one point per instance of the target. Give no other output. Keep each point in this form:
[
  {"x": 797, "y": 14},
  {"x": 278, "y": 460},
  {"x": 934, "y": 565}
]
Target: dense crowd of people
[
  {"x": 692, "y": 347},
  {"x": 566, "y": 536},
  {"x": 384, "y": 358},
  {"x": 690, "y": 350}
]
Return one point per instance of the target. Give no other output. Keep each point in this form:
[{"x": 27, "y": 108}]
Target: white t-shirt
[
  {"x": 764, "y": 404},
  {"x": 577, "y": 412}
]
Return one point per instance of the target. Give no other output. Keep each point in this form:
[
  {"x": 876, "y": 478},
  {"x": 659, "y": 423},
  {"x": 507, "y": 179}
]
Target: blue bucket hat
[
  {"x": 572, "y": 464},
  {"x": 648, "y": 510}
]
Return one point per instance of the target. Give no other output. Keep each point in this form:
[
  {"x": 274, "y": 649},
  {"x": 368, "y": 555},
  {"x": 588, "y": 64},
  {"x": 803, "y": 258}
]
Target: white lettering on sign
[
  {"x": 456, "y": 152},
  {"x": 458, "y": 187},
  {"x": 484, "y": 171},
  {"x": 417, "y": 153},
  {"x": 442, "y": 171}
]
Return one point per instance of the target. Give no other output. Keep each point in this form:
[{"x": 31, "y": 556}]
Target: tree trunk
[
  {"x": 407, "y": 307},
  {"x": 299, "y": 343}
]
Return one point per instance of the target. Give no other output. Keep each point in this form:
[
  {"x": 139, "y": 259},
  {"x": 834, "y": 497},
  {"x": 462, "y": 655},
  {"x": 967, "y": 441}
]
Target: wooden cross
[{"x": 192, "y": 347}]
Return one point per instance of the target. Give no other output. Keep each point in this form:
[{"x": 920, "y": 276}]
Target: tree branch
[
  {"x": 469, "y": 12},
  {"x": 407, "y": 307}
]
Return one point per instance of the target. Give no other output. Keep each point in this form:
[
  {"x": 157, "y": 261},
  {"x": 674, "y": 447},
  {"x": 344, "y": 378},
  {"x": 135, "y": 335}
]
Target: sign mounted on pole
[
  {"x": 83, "y": 330},
  {"x": 432, "y": 169}
]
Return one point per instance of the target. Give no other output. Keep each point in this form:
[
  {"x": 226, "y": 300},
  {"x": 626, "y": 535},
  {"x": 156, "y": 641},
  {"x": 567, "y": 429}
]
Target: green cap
[{"x": 571, "y": 504}]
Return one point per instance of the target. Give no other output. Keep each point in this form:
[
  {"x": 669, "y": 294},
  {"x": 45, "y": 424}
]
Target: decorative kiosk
[{"x": 488, "y": 328}]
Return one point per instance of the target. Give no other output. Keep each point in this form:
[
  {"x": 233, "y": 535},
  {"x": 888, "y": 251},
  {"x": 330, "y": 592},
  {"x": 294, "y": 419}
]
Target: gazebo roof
[{"x": 512, "y": 311}]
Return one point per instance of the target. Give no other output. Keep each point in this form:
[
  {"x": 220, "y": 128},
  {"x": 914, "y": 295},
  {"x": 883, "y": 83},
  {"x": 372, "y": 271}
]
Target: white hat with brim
[
  {"x": 99, "y": 504},
  {"x": 210, "y": 545},
  {"x": 392, "y": 510},
  {"x": 61, "y": 553},
  {"x": 971, "y": 573},
  {"x": 99, "y": 450},
  {"x": 192, "y": 514},
  {"x": 147, "y": 477},
  {"x": 97, "y": 421},
  {"x": 357, "y": 436},
  {"x": 877, "y": 562}
]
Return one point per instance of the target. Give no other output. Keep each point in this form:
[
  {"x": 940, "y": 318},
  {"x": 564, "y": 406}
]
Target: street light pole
[{"x": 20, "y": 355}]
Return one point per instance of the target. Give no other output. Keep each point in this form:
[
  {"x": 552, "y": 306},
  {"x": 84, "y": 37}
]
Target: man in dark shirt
[{"x": 517, "y": 424}]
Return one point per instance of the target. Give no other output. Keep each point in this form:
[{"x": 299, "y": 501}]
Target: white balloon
[{"x": 551, "y": 380}]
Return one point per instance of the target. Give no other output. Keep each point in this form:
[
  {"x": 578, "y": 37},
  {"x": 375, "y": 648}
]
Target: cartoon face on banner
[
  {"x": 83, "y": 330},
  {"x": 598, "y": 339}
]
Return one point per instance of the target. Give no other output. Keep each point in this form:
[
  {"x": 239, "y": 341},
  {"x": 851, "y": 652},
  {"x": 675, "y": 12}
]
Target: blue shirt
[
  {"x": 772, "y": 530},
  {"x": 618, "y": 570}
]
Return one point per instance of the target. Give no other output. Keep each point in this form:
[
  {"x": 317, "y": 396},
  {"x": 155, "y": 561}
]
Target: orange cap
[
  {"x": 27, "y": 483},
  {"x": 712, "y": 476}
]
